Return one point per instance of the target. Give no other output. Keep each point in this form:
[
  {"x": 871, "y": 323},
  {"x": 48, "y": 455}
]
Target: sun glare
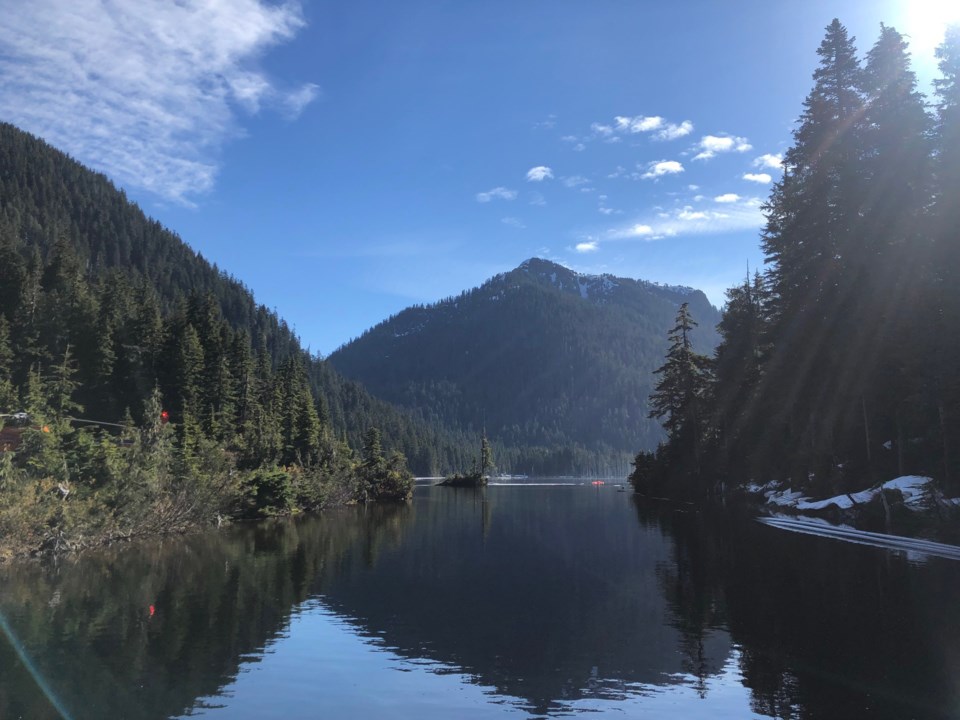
[{"x": 925, "y": 22}]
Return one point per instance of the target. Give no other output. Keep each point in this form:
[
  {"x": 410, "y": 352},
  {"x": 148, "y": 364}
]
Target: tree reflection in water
[{"x": 548, "y": 597}]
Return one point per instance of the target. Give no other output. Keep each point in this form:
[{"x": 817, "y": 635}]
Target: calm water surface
[{"x": 537, "y": 601}]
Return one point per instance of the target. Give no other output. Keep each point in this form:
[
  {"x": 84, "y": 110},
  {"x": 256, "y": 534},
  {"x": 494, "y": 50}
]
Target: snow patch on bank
[{"x": 913, "y": 488}]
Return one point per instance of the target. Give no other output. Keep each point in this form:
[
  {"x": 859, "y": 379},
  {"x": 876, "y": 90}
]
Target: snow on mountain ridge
[{"x": 586, "y": 284}]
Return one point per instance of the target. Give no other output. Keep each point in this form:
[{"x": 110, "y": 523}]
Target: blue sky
[{"x": 348, "y": 159}]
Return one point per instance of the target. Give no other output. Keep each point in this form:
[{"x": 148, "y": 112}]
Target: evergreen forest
[
  {"x": 145, "y": 391},
  {"x": 837, "y": 366},
  {"x": 554, "y": 365}
]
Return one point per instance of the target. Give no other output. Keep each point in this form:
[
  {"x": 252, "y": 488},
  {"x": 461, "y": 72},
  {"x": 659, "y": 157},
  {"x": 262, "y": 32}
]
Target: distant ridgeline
[
  {"x": 92, "y": 286},
  {"x": 555, "y": 365},
  {"x": 840, "y": 367}
]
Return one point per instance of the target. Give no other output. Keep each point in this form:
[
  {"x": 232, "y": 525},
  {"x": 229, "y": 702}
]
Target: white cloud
[
  {"x": 537, "y": 199},
  {"x": 688, "y": 213},
  {"x": 758, "y": 177},
  {"x": 662, "y": 167},
  {"x": 539, "y": 174},
  {"x": 769, "y": 161},
  {"x": 744, "y": 214},
  {"x": 672, "y": 132},
  {"x": 513, "y": 222},
  {"x": 710, "y": 145},
  {"x": 605, "y": 211},
  {"x": 727, "y": 198},
  {"x": 498, "y": 193},
  {"x": 587, "y": 247},
  {"x": 644, "y": 124},
  {"x": 638, "y": 124},
  {"x": 148, "y": 92}
]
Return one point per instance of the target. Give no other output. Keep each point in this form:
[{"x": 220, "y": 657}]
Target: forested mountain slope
[
  {"x": 539, "y": 356},
  {"x": 90, "y": 284}
]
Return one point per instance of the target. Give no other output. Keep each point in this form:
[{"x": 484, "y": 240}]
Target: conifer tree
[
  {"x": 680, "y": 395},
  {"x": 813, "y": 221},
  {"x": 738, "y": 368},
  {"x": 944, "y": 348},
  {"x": 7, "y": 391},
  {"x": 887, "y": 271}
]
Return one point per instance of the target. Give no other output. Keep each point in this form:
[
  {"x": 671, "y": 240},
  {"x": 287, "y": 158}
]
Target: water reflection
[
  {"x": 826, "y": 629},
  {"x": 527, "y": 601}
]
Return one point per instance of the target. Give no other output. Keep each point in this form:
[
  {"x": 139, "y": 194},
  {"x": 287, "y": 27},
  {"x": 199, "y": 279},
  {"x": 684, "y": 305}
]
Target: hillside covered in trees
[
  {"x": 134, "y": 373},
  {"x": 838, "y": 367},
  {"x": 555, "y": 365}
]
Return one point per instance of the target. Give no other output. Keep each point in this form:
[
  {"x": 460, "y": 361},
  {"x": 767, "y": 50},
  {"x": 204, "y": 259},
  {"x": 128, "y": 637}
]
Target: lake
[{"x": 525, "y": 601}]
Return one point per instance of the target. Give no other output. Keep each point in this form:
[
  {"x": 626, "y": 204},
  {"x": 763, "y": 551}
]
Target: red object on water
[
  {"x": 597, "y": 482},
  {"x": 152, "y": 610}
]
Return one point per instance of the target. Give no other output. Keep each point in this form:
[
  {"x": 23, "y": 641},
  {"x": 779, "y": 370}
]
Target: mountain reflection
[
  {"x": 543, "y": 596},
  {"x": 545, "y": 602}
]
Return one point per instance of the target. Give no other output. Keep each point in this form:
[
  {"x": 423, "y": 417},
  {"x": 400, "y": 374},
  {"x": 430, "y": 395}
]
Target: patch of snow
[
  {"x": 784, "y": 498},
  {"x": 678, "y": 289},
  {"x": 912, "y": 487}
]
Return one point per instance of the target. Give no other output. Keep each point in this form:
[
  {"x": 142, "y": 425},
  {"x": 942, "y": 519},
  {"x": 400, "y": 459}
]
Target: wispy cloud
[
  {"x": 537, "y": 199},
  {"x": 758, "y": 177},
  {"x": 743, "y": 214},
  {"x": 600, "y": 130},
  {"x": 497, "y": 193},
  {"x": 513, "y": 222},
  {"x": 622, "y": 126},
  {"x": 768, "y": 160},
  {"x": 548, "y": 124},
  {"x": 673, "y": 132},
  {"x": 148, "y": 92},
  {"x": 587, "y": 246},
  {"x": 573, "y": 181},
  {"x": 660, "y": 168},
  {"x": 576, "y": 142},
  {"x": 661, "y": 129},
  {"x": 639, "y": 123},
  {"x": 602, "y": 207},
  {"x": 539, "y": 173},
  {"x": 711, "y": 145}
]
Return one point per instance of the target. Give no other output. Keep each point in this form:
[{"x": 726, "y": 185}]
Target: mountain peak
[{"x": 588, "y": 286}]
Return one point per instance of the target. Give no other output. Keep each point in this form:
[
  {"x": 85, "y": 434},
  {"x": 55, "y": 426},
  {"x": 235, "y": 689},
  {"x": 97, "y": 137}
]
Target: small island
[{"x": 479, "y": 474}]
